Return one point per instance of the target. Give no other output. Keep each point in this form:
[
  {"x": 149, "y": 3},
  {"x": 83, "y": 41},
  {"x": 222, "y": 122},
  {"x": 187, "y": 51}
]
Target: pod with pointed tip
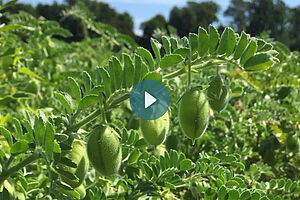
[
  {"x": 218, "y": 94},
  {"x": 155, "y": 131},
  {"x": 193, "y": 113},
  {"x": 104, "y": 150},
  {"x": 81, "y": 191},
  {"x": 77, "y": 155}
]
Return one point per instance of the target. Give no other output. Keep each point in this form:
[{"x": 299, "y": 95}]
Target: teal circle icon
[{"x": 149, "y": 99}]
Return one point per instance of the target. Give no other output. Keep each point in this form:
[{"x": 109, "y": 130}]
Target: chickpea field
[{"x": 67, "y": 130}]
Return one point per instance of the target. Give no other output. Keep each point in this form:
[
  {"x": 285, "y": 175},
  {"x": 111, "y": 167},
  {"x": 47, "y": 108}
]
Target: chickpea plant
[{"x": 73, "y": 145}]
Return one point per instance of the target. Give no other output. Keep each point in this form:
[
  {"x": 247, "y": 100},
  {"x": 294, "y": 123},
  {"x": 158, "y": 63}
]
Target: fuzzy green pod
[
  {"x": 155, "y": 131},
  {"x": 77, "y": 155},
  {"x": 81, "y": 191},
  {"x": 193, "y": 113},
  {"x": 104, "y": 150},
  {"x": 218, "y": 94}
]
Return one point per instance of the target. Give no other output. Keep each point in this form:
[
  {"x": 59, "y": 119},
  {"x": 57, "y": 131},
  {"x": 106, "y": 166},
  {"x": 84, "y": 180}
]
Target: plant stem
[
  {"x": 11, "y": 158},
  {"x": 5, "y": 174},
  {"x": 86, "y": 120},
  {"x": 175, "y": 74},
  {"x": 189, "y": 71},
  {"x": 95, "y": 114},
  {"x": 193, "y": 66}
]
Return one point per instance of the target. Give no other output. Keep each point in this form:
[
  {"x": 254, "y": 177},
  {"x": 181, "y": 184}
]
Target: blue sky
[{"x": 142, "y": 10}]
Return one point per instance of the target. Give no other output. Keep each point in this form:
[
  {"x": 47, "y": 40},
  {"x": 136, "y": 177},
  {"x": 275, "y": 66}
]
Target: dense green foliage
[
  {"x": 55, "y": 93},
  {"x": 256, "y": 16}
]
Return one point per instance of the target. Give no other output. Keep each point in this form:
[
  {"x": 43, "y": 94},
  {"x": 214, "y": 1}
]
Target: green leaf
[
  {"x": 186, "y": 164},
  {"x": 203, "y": 41},
  {"x": 69, "y": 192},
  {"x": 67, "y": 174},
  {"x": 57, "y": 31},
  {"x": 88, "y": 101},
  {"x": 153, "y": 76},
  {"x": 66, "y": 161},
  {"x": 148, "y": 57},
  {"x": 39, "y": 130},
  {"x": 273, "y": 183},
  {"x": 133, "y": 157},
  {"x": 30, "y": 73},
  {"x": 66, "y": 101},
  {"x": 8, "y": 136},
  {"x": 227, "y": 42},
  {"x": 235, "y": 92},
  {"x": 232, "y": 183},
  {"x": 255, "y": 196},
  {"x": 49, "y": 140},
  {"x": 245, "y": 195},
  {"x": 229, "y": 158},
  {"x": 87, "y": 81},
  {"x": 19, "y": 147},
  {"x": 156, "y": 46},
  {"x": 222, "y": 193},
  {"x": 287, "y": 184},
  {"x": 241, "y": 46},
  {"x": 10, "y": 27},
  {"x": 111, "y": 72},
  {"x": 169, "y": 185},
  {"x": 147, "y": 171},
  {"x": 75, "y": 89},
  {"x": 173, "y": 158},
  {"x": 96, "y": 90},
  {"x": 170, "y": 60},
  {"x": 249, "y": 51},
  {"x": 166, "y": 44},
  {"x": 280, "y": 183},
  {"x": 193, "y": 43},
  {"x": 264, "y": 198},
  {"x": 56, "y": 147},
  {"x": 8, "y": 4},
  {"x": 61, "y": 137},
  {"x": 144, "y": 70},
  {"x": 184, "y": 52},
  {"x": 266, "y": 47},
  {"x": 18, "y": 128},
  {"x": 185, "y": 42},
  {"x": 118, "y": 70},
  {"x": 137, "y": 70},
  {"x": 214, "y": 38},
  {"x": 128, "y": 70},
  {"x": 233, "y": 194},
  {"x": 106, "y": 80},
  {"x": 259, "y": 62}
]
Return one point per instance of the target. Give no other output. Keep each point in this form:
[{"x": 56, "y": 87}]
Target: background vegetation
[
  {"x": 64, "y": 73},
  {"x": 255, "y": 17}
]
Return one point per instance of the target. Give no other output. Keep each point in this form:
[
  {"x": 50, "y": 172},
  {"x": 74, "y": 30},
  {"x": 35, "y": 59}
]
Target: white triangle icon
[{"x": 149, "y": 99}]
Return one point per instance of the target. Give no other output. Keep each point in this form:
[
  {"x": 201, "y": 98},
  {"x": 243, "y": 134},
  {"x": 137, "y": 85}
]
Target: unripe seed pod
[
  {"x": 78, "y": 156},
  {"x": 155, "y": 131},
  {"x": 104, "y": 150},
  {"x": 193, "y": 113},
  {"x": 218, "y": 94},
  {"x": 81, "y": 190}
]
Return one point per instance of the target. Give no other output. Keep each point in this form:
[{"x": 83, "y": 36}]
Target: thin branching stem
[{"x": 7, "y": 173}]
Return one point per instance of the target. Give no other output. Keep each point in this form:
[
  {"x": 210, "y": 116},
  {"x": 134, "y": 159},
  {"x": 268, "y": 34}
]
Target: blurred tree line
[{"x": 254, "y": 16}]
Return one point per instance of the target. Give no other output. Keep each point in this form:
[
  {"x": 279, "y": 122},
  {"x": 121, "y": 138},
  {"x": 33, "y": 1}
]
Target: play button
[{"x": 149, "y": 99}]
